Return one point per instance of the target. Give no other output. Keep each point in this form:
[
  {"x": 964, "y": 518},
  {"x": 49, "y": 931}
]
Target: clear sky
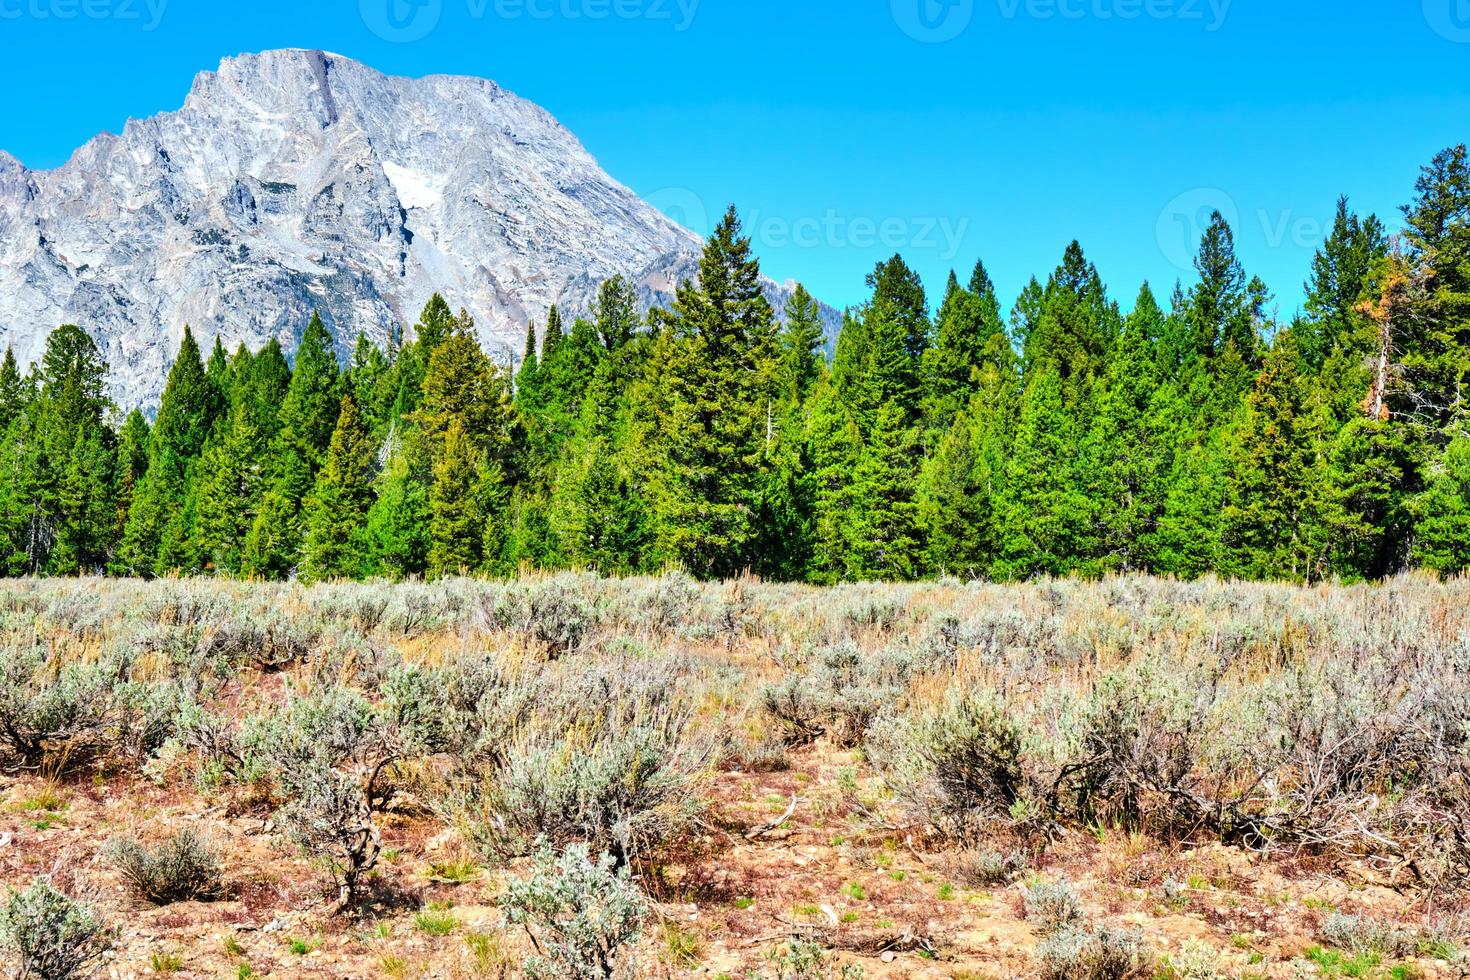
[{"x": 846, "y": 130}]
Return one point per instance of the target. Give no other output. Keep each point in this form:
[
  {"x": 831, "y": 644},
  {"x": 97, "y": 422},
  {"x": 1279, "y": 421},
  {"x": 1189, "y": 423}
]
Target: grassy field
[{"x": 577, "y": 777}]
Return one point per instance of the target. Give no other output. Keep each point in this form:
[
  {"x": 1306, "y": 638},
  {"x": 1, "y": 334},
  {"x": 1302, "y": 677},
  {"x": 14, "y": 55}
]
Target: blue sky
[{"x": 846, "y": 130}]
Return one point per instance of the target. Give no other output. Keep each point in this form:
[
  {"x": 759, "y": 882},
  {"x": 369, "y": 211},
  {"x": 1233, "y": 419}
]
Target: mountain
[{"x": 293, "y": 181}]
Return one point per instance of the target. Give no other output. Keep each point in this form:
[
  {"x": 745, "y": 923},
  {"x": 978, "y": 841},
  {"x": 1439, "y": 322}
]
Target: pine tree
[
  {"x": 801, "y": 346},
  {"x": 1125, "y": 453},
  {"x": 398, "y": 521},
  {"x": 616, "y": 313},
  {"x": 434, "y": 326},
  {"x": 1045, "y": 514},
  {"x": 153, "y": 541},
  {"x": 1433, "y": 333},
  {"x": 1074, "y": 328},
  {"x": 22, "y": 478},
  {"x": 131, "y": 466},
  {"x": 894, "y": 336},
  {"x": 1271, "y": 515},
  {"x": 1442, "y": 535},
  {"x": 568, "y": 366},
  {"x": 601, "y": 518},
  {"x": 786, "y": 515},
  {"x": 1219, "y": 304},
  {"x": 336, "y": 542},
  {"x": 882, "y": 527},
  {"x": 71, "y": 463},
  {"x": 455, "y": 525},
  {"x": 368, "y": 382},
  {"x": 14, "y": 393},
  {"x": 1343, "y": 277},
  {"x": 963, "y": 483},
  {"x": 834, "y": 447},
  {"x": 708, "y": 444},
  {"x": 235, "y": 470},
  {"x": 528, "y": 381},
  {"x": 307, "y": 417},
  {"x": 462, "y": 384},
  {"x": 968, "y": 321},
  {"x": 1187, "y": 542}
]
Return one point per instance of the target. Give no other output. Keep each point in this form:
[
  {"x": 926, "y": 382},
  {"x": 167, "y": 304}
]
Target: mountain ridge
[{"x": 297, "y": 180}]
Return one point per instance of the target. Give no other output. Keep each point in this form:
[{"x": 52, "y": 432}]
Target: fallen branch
[{"x": 767, "y": 828}]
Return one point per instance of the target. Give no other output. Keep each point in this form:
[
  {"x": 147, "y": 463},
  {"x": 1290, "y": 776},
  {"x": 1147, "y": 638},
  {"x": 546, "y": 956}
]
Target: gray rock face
[{"x": 294, "y": 181}]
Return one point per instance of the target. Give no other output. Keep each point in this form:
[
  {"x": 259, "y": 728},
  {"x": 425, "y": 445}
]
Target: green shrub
[
  {"x": 980, "y": 868},
  {"x": 958, "y": 762},
  {"x": 1053, "y": 906},
  {"x": 50, "y": 936},
  {"x": 1071, "y": 953},
  {"x": 580, "y": 913},
  {"x": 329, "y": 817},
  {"x": 42, "y": 707},
  {"x": 627, "y": 790},
  {"x": 183, "y": 867}
]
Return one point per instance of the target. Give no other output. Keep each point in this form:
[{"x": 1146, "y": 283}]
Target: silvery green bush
[
  {"x": 580, "y": 912},
  {"x": 48, "y": 936}
]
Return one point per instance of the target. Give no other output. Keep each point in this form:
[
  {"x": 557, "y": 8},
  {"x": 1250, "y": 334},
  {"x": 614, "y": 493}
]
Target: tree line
[{"x": 1186, "y": 437}]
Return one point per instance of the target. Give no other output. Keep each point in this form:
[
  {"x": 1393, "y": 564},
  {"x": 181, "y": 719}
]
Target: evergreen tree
[
  {"x": 801, "y": 346},
  {"x": 1187, "y": 542},
  {"x": 336, "y": 542},
  {"x": 893, "y": 339},
  {"x": 711, "y": 427},
  {"x": 1045, "y": 514},
  {"x": 455, "y": 525},
  {"x": 882, "y": 528},
  {"x": 602, "y": 518},
  {"x": 1270, "y": 522},
  {"x": 1442, "y": 535},
  {"x": 306, "y": 420},
  {"x": 528, "y": 387},
  {"x": 963, "y": 482},
  {"x": 367, "y": 380},
  {"x": 1074, "y": 328},
  {"x": 78, "y": 456},
  {"x": 398, "y": 520},
  {"x": 616, "y": 313},
  {"x": 156, "y": 536},
  {"x": 1343, "y": 277},
  {"x": 969, "y": 319},
  {"x": 131, "y": 466},
  {"x": 14, "y": 392},
  {"x": 1219, "y": 305},
  {"x": 834, "y": 446},
  {"x": 1126, "y": 454},
  {"x": 1433, "y": 329}
]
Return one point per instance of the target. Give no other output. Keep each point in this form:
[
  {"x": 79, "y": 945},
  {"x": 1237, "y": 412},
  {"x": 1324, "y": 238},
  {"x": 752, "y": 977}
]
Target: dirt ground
[{"x": 831, "y": 871}]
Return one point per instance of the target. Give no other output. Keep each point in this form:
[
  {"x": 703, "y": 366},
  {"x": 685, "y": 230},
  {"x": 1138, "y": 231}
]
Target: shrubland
[{"x": 577, "y": 772}]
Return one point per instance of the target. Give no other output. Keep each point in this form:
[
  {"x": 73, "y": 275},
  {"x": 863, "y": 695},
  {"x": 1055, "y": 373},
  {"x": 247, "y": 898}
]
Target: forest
[{"x": 1194, "y": 434}]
